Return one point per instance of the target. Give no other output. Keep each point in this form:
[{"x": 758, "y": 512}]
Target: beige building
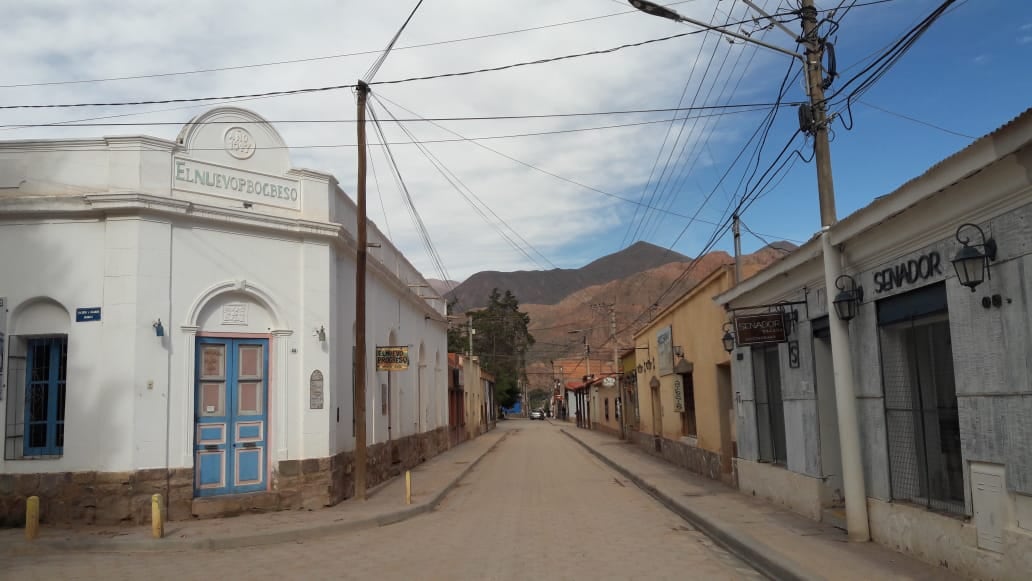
[{"x": 683, "y": 379}]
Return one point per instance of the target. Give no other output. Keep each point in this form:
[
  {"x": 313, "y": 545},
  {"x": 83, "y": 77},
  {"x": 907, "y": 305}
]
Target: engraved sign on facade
[
  {"x": 239, "y": 143},
  {"x": 908, "y": 272},
  {"x": 315, "y": 391},
  {"x": 208, "y": 178},
  {"x": 765, "y": 328},
  {"x": 391, "y": 358},
  {"x": 678, "y": 395},
  {"x": 234, "y": 314},
  {"x": 665, "y": 346}
]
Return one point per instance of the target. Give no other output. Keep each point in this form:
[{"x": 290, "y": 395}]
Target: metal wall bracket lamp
[
  {"x": 729, "y": 338},
  {"x": 850, "y": 295},
  {"x": 972, "y": 264}
]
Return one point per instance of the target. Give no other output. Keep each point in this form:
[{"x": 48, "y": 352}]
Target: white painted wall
[{"x": 90, "y": 223}]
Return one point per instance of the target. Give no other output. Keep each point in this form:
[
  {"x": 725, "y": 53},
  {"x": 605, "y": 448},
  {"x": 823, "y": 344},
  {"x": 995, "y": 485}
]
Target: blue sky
[{"x": 968, "y": 74}]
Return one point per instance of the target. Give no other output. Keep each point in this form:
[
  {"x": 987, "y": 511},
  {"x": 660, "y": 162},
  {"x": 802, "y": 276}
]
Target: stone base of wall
[
  {"x": 95, "y": 497},
  {"x": 125, "y": 497},
  {"x": 691, "y": 458}
]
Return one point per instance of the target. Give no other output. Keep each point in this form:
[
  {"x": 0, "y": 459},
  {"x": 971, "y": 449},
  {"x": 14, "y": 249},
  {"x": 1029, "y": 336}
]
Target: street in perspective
[{"x": 598, "y": 289}]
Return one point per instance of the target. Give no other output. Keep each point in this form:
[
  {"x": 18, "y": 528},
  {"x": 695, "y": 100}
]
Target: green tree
[
  {"x": 501, "y": 340},
  {"x": 457, "y": 338}
]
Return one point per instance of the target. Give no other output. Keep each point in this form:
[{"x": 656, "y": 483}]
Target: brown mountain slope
[
  {"x": 551, "y": 286},
  {"x": 632, "y": 295}
]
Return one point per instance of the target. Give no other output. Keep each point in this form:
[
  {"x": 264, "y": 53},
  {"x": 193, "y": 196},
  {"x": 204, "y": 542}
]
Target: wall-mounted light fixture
[
  {"x": 729, "y": 338},
  {"x": 847, "y": 301},
  {"x": 972, "y": 264},
  {"x": 679, "y": 351},
  {"x": 320, "y": 333},
  {"x": 159, "y": 330}
]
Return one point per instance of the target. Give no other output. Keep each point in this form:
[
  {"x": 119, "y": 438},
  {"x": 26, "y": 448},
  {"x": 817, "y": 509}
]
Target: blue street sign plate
[{"x": 87, "y": 314}]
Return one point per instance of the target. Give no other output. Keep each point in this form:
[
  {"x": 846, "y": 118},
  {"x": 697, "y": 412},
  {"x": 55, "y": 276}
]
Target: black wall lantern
[
  {"x": 972, "y": 264},
  {"x": 847, "y": 301},
  {"x": 728, "y": 339}
]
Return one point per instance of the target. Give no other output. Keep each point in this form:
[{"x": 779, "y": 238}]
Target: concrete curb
[
  {"x": 737, "y": 542},
  {"x": 44, "y": 546}
]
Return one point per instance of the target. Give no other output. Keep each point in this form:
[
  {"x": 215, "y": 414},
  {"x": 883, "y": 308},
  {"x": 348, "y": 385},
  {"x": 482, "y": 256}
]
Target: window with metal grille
[
  {"x": 921, "y": 416},
  {"x": 36, "y": 401},
  {"x": 770, "y": 409}
]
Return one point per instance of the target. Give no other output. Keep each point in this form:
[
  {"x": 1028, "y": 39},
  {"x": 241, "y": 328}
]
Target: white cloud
[{"x": 59, "y": 40}]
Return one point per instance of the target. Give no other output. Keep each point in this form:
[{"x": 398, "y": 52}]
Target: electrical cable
[
  {"x": 459, "y": 186},
  {"x": 71, "y": 148},
  {"x": 352, "y": 86},
  {"x": 426, "y": 119},
  {"x": 319, "y": 58},
  {"x": 368, "y": 77},
  {"x": 662, "y": 146},
  {"x": 410, "y": 204},
  {"x": 534, "y": 167}
]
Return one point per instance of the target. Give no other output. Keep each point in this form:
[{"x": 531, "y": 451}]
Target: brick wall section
[{"x": 125, "y": 497}]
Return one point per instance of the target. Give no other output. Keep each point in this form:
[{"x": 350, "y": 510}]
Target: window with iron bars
[
  {"x": 921, "y": 412},
  {"x": 36, "y": 377}
]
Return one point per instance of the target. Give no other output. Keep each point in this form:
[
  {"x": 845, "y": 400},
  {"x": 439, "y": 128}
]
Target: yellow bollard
[
  {"x": 157, "y": 518},
  {"x": 32, "y": 518},
  {"x": 408, "y": 487}
]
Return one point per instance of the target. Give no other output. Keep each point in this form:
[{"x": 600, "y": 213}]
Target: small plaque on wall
[
  {"x": 315, "y": 390},
  {"x": 234, "y": 314}
]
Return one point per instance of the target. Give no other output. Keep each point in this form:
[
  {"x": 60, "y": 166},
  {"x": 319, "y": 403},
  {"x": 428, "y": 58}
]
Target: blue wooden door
[{"x": 231, "y": 416}]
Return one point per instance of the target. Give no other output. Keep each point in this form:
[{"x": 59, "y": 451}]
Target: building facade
[
  {"x": 683, "y": 378},
  {"x": 943, "y": 383},
  {"x": 179, "y": 319}
]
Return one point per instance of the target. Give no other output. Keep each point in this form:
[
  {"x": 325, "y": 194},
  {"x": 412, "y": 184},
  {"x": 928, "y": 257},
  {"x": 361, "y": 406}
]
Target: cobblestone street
[{"x": 539, "y": 506}]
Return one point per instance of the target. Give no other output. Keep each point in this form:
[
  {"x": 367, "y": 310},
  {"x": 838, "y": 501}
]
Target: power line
[
  {"x": 544, "y": 171},
  {"x": 419, "y": 119},
  {"x": 426, "y": 141},
  {"x": 317, "y": 58},
  {"x": 369, "y": 51},
  {"x": 352, "y": 86},
  {"x": 368, "y": 77},
  {"x": 459, "y": 186},
  {"x": 918, "y": 121}
]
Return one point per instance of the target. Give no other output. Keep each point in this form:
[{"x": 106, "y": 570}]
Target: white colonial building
[{"x": 178, "y": 318}]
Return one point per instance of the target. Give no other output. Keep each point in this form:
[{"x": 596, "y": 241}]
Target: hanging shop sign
[
  {"x": 390, "y": 358},
  {"x": 763, "y": 328}
]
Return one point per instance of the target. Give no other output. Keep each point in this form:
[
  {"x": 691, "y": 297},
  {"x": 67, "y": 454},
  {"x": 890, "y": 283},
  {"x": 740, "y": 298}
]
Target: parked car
[{"x": 537, "y": 415}]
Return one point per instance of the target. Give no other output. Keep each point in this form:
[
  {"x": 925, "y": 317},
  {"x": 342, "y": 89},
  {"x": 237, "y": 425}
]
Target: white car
[{"x": 537, "y": 415}]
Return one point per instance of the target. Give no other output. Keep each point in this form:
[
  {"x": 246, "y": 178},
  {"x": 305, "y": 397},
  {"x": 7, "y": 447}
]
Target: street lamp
[
  {"x": 817, "y": 125},
  {"x": 971, "y": 264},
  {"x": 729, "y": 338}
]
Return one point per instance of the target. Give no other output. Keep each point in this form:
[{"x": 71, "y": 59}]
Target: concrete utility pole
[
  {"x": 360, "y": 302},
  {"x": 842, "y": 359}
]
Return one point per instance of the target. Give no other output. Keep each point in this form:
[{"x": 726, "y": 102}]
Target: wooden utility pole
[
  {"x": 738, "y": 248},
  {"x": 360, "y": 303},
  {"x": 853, "y": 486}
]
